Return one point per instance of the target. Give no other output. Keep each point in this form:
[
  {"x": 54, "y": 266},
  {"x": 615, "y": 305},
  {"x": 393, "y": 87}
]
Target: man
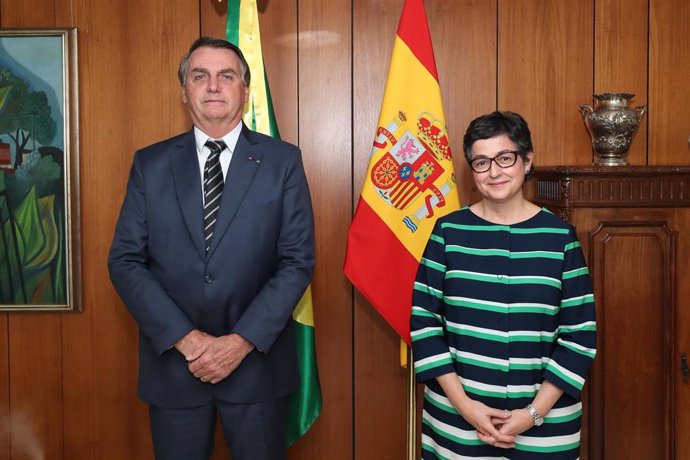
[{"x": 212, "y": 277}]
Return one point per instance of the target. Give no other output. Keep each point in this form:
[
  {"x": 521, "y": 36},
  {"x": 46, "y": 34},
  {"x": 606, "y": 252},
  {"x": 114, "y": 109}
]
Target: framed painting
[{"x": 40, "y": 264}]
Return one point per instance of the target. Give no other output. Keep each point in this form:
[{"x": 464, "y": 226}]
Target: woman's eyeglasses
[{"x": 505, "y": 159}]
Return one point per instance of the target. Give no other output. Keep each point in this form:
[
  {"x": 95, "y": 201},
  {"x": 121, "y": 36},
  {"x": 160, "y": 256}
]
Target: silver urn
[{"x": 612, "y": 124}]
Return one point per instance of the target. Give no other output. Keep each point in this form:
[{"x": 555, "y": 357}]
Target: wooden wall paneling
[
  {"x": 213, "y": 16},
  {"x": 380, "y": 418},
  {"x": 682, "y": 333},
  {"x": 19, "y": 14},
  {"x": 79, "y": 393},
  {"x": 669, "y": 67},
  {"x": 35, "y": 373},
  {"x": 129, "y": 98},
  {"x": 325, "y": 137},
  {"x": 620, "y": 58},
  {"x": 380, "y": 383},
  {"x": 34, "y": 354},
  {"x": 545, "y": 71},
  {"x": 279, "y": 42},
  {"x": 465, "y": 38},
  {"x": 4, "y": 384}
]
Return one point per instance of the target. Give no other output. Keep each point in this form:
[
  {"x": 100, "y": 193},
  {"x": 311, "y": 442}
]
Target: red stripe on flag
[
  {"x": 413, "y": 29},
  {"x": 381, "y": 268}
]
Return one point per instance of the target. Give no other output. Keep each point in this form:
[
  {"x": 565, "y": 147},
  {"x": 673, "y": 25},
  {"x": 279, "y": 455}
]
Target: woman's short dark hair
[
  {"x": 212, "y": 42},
  {"x": 494, "y": 124}
]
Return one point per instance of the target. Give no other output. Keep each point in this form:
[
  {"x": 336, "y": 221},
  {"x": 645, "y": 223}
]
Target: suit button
[{"x": 208, "y": 279}]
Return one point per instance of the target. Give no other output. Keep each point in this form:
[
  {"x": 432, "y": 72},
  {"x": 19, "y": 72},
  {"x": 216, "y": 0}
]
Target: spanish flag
[
  {"x": 410, "y": 180},
  {"x": 243, "y": 30}
]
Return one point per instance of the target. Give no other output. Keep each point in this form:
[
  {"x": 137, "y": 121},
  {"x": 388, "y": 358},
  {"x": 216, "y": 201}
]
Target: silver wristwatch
[{"x": 538, "y": 419}]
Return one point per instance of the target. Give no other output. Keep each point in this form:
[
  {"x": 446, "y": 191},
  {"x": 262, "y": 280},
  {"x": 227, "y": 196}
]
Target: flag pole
[{"x": 411, "y": 409}]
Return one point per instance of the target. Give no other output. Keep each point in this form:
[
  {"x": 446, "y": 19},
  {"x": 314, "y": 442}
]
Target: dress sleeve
[
  {"x": 576, "y": 335},
  {"x": 429, "y": 347}
]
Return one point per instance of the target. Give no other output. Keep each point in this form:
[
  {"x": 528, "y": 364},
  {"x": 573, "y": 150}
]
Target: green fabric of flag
[{"x": 243, "y": 30}]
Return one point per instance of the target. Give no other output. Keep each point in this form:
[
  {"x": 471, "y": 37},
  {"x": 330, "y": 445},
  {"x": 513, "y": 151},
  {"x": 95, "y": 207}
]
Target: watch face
[{"x": 538, "y": 421}]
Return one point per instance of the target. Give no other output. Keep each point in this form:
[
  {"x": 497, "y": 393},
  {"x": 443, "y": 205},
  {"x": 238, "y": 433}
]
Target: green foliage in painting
[
  {"x": 24, "y": 113},
  {"x": 32, "y": 216}
]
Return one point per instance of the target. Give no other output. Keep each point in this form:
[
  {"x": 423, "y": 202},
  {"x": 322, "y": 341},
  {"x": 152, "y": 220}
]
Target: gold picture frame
[{"x": 40, "y": 257}]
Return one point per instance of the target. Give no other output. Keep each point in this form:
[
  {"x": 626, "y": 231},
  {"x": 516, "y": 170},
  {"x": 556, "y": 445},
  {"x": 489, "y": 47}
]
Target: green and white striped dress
[{"x": 504, "y": 307}]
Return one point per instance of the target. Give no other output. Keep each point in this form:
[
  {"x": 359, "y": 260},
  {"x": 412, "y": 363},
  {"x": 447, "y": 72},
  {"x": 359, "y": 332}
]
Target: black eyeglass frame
[{"x": 515, "y": 154}]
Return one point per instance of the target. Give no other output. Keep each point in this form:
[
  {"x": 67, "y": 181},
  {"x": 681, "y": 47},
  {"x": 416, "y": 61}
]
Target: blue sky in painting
[{"x": 38, "y": 60}]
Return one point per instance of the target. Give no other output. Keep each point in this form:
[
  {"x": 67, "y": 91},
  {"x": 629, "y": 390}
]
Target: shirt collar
[{"x": 230, "y": 138}]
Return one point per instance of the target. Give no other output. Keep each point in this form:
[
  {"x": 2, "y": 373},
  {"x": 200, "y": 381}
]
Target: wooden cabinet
[{"x": 634, "y": 226}]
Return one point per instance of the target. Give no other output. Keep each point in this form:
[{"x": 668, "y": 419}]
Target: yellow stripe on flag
[
  {"x": 256, "y": 109},
  {"x": 407, "y": 72},
  {"x": 304, "y": 312}
]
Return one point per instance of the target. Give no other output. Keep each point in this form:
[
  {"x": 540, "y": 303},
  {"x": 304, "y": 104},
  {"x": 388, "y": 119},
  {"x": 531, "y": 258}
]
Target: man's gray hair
[{"x": 212, "y": 42}]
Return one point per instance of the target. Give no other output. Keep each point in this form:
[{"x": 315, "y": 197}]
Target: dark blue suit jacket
[{"x": 259, "y": 264}]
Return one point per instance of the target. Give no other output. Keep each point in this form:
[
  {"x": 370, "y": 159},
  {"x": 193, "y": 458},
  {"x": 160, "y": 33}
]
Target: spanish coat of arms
[{"x": 407, "y": 176}]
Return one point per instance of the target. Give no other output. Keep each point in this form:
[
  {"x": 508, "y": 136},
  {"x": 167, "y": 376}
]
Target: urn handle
[
  {"x": 641, "y": 110},
  {"x": 585, "y": 109}
]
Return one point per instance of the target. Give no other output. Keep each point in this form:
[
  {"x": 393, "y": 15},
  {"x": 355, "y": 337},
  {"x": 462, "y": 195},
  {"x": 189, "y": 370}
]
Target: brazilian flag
[{"x": 243, "y": 30}]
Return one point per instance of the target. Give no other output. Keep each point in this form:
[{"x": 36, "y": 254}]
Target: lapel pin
[{"x": 250, "y": 158}]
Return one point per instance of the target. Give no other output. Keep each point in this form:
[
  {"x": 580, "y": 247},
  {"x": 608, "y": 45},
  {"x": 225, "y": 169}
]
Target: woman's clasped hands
[{"x": 495, "y": 426}]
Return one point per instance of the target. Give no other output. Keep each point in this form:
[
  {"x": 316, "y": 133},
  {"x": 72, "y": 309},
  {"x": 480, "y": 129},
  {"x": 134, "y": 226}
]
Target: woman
[{"x": 503, "y": 324}]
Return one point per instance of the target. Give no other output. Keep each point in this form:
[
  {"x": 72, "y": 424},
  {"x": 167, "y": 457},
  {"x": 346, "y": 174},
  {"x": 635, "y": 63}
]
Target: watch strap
[{"x": 536, "y": 416}]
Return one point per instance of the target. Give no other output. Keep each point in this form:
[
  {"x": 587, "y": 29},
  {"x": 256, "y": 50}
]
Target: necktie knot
[{"x": 215, "y": 146}]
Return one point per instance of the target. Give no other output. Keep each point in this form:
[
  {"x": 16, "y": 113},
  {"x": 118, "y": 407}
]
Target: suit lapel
[
  {"x": 245, "y": 162},
  {"x": 185, "y": 168}
]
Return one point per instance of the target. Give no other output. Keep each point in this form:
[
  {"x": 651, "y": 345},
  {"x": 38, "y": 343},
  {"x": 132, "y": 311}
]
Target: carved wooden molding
[{"x": 565, "y": 187}]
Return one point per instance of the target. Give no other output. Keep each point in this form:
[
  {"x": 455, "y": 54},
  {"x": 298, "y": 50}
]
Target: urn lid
[{"x": 613, "y": 96}]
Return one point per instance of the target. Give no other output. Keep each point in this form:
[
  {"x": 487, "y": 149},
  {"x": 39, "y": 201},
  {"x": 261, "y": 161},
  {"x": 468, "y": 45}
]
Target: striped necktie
[{"x": 213, "y": 187}]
